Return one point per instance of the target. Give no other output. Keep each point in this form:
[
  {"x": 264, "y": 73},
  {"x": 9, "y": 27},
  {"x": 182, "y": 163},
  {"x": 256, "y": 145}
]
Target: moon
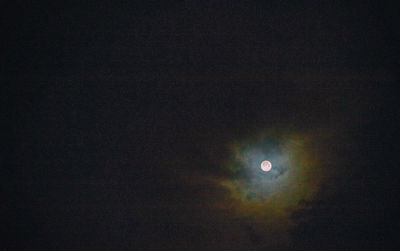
[{"x": 266, "y": 166}]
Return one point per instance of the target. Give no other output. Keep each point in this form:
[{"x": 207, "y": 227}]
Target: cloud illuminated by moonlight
[{"x": 272, "y": 196}]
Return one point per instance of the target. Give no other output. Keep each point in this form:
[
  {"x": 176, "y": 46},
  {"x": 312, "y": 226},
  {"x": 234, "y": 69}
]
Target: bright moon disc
[{"x": 266, "y": 166}]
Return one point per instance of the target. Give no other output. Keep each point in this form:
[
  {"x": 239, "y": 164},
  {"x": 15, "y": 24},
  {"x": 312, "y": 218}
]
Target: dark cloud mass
[{"x": 142, "y": 125}]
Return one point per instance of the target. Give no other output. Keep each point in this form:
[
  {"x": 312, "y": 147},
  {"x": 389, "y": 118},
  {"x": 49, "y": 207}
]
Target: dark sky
[{"x": 120, "y": 119}]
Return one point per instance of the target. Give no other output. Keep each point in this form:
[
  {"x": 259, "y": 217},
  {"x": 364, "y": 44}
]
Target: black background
[{"x": 107, "y": 104}]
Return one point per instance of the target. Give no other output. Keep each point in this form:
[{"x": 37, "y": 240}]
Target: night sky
[{"x": 142, "y": 125}]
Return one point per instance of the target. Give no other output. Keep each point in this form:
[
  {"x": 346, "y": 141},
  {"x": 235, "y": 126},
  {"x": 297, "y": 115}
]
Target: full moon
[{"x": 266, "y": 166}]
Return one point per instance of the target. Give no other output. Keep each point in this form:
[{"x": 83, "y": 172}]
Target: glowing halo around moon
[{"x": 266, "y": 166}]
